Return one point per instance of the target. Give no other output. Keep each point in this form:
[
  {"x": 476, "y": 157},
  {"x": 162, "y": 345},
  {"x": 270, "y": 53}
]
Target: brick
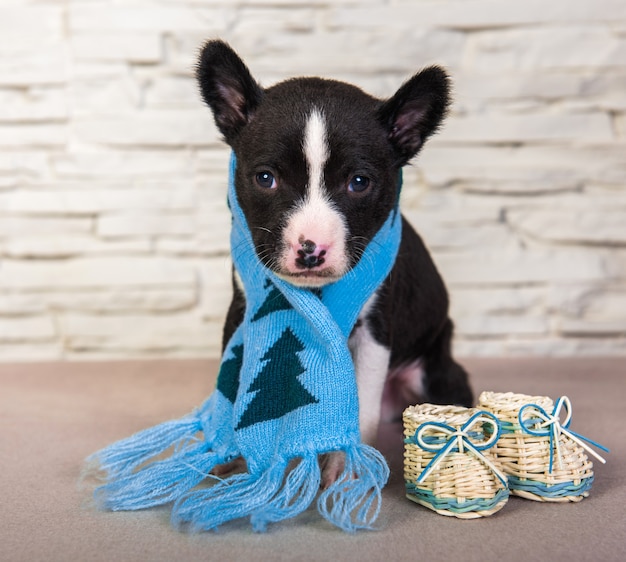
[
  {"x": 527, "y": 169},
  {"x": 604, "y": 227},
  {"x": 361, "y": 53},
  {"x": 61, "y": 247},
  {"x": 499, "y": 312},
  {"x": 63, "y": 186},
  {"x": 246, "y": 31},
  {"x": 555, "y": 47},
  {"x": 476, "y": 15},
  {"x": 155, "y": 300},
  {"x": 479, "y": 347},
  {"x": 38, "y": 104},
  {"x": 620, "y": 125},
  {"x": 21, "y": 304},
  {"x": 290, "y": 3},
  {"x": 94, "y": 201},
  {"x": 605, "y": 91},
  {"x": 570, "y": 299},
  {"x": 148, "y": 128},
  {"x": 214, "y": 277},
  {"x": 501, "y": 325},
  {"x": 85, "y": 70},
  {"x": 118, "y": 46},
  {"x": 152, "y": 300},
  {"x": 212, "y": 213},
  {"x": 98, "y": 16},
  {"x": 129, "y": 165},
  {"x": 95, "y": 272},
  {"x": 172, "y": 92},
  {"x": 514, "y": 267},
  {"x": 518, "y": 188},
  {"x": 553, "y": 346},
  {"x": 616, "y": 265},
  {"x": 31, "y": 136},
  {"x": 493, "y": 128},
  {"x": 445, "y": 208},
  {"x": 536, "y": 84},
  {"x": 139, "y": 223},
  {"x": 48, "y": 66},
  {"x": 606, "y": 303},
  {"x": 442, "y": 236},
  {"x": 129, "y": 334},
  {"x": 182, "y": 49},
  {"x": 98, "y": 94},
  {"x": 215, "y": 242},
  {"x": 299, "y": 19},
  {"x": 496, "y": 301},
  {"x": 27, "y": 329},
  {"x": 27, "y": 163},
  {"x": 37, "y": 351},
  {"x": 213, "y": 163},
  {"x": 610, "y": 102},
  {"x": 33, "y": 19},
  {"x": 14, "y": 226},
  {"x": 599, "y": 328}
]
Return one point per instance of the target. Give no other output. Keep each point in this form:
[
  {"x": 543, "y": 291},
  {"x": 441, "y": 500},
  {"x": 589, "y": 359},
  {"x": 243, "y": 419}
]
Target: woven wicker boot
[
  {"x": 543, "y": 459},
  {"x": 447, "y": 465}
]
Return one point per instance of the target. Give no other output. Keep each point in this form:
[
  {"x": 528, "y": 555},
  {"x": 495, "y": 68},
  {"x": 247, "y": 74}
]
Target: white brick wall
[{"x": 113, "y": 224}]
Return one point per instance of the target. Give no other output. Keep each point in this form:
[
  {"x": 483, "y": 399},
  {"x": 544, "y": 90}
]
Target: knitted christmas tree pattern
[
  {"x": 276, "y": 384},
  {"x": 278, "y": 389},
  {"x": 274, "y": 302},
  {"x": 228, "y": 377}
]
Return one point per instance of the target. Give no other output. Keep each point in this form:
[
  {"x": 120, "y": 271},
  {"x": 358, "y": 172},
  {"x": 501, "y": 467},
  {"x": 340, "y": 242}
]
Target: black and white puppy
[{"x": 317, "y": 169}]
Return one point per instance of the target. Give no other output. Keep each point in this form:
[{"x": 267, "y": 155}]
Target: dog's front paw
[
  {"x": 332, "y": 465},
  {"x": 236, "y": 465}
]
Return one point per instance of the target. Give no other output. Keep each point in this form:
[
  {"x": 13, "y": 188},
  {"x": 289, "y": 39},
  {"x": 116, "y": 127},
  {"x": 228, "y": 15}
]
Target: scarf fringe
[
  {"x": 281, "y": 492},
  {"x": 158, "y": 483},
  {"x": 353, "y": 501},
  {"x": 297, "y": 494},
  {"x": 134, "y": 478},
  {"x": 232, "y": 498},
  {"x": 124, "y": 456}
]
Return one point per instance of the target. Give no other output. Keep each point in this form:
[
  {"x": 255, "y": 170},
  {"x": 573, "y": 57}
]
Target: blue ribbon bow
[
  {"x": 538, "y": 422},
  {"x": 459, "y": 440}
]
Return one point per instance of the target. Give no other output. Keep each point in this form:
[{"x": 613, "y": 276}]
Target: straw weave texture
[
  {"x": 461, "y": 485},
  {"x": 525, "y": 458}
]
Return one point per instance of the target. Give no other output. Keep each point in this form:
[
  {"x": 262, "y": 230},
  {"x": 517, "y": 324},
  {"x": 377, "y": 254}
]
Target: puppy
[{"x": 317, "y": 175}]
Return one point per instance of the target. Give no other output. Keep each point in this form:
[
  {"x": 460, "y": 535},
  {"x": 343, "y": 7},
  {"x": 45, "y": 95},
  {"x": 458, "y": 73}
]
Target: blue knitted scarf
[{"x": 286, "y": 393}]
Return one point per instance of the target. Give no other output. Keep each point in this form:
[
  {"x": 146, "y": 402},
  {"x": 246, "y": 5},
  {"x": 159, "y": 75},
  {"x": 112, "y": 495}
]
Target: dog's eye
[
  {"x": 266, "y": 180},
  {"x": 358, "y": 184}
]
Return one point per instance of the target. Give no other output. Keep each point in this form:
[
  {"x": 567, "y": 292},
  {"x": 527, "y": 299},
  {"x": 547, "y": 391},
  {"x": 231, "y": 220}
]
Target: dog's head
[{"x": 317, "y": 160}]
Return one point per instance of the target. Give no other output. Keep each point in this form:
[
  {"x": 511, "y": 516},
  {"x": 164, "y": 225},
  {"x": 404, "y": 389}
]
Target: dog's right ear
[
  {"x": 227, "y": 87},
  {"x": 416, "y": 111}
]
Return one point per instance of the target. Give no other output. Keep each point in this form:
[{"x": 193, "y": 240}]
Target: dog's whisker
[{"x": 264, "y": 229}]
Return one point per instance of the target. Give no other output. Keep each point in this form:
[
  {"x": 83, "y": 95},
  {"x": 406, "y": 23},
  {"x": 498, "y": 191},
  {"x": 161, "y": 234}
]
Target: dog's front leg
[{"x": 371, "y": 363}]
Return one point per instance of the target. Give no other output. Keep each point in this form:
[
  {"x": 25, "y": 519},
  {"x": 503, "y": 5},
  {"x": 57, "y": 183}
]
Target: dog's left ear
[{"x": 415, "y": 111}]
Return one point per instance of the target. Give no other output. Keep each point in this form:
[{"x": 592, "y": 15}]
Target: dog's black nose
[
  {"x": 309, "y": 262},
  {"x": 308, "y": 258},
  {"x": 308, "y": 247}
]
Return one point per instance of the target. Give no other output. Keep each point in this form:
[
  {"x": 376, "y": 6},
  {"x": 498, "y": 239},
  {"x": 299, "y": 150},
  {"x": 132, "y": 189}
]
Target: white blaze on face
[{"x": 316, "y": 218}]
